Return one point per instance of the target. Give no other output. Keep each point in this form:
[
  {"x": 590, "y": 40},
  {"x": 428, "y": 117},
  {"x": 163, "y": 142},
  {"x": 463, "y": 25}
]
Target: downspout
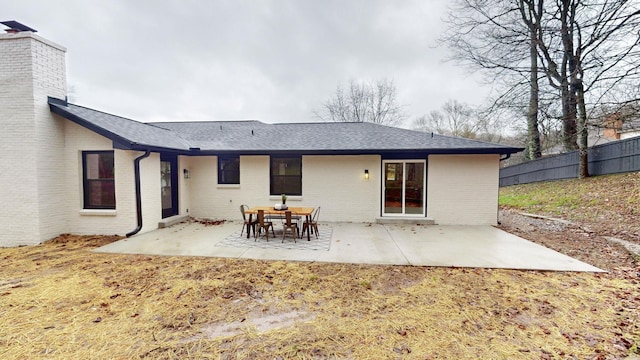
[{"x": 136, "y": 171}]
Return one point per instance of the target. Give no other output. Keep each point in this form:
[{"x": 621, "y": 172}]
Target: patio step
[
  {"x": 408, "y": 220},
  {"x": 172, "y": 220}
]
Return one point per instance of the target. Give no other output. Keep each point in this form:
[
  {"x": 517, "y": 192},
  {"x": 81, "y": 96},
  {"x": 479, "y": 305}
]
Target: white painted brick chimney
[{"x": 32, "y": 196}]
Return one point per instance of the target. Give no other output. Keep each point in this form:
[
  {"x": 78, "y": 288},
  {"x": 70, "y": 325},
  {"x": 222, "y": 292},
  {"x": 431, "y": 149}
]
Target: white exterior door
[{"x": 403, "y": 188}]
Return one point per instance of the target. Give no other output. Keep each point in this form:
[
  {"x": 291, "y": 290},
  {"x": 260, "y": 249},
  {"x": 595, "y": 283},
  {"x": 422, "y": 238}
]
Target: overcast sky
[{"x": 274, "y": 61}]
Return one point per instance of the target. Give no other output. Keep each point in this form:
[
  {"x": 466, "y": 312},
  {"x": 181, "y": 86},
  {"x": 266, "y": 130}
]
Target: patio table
[{"x": 270, "y": 210}]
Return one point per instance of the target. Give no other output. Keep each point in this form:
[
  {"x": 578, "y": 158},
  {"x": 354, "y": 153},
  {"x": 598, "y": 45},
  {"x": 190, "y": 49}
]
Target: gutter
[
  {"x": 506, "y": 157},
  {"x": 136, "y": 170}
]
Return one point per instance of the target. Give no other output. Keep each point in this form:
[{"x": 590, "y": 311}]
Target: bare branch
[{"x": 364, "y": 102}]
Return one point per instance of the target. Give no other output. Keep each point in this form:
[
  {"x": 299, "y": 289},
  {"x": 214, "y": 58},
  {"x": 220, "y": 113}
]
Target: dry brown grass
[
  {"x": 59, "y": 300},
  {"x": 608, "y": 204}
]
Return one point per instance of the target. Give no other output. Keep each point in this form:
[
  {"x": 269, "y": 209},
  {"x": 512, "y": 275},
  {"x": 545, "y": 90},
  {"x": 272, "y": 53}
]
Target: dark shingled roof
[
  {"x": 126, "y": 132},
  {"x": 255, "y": 137}
]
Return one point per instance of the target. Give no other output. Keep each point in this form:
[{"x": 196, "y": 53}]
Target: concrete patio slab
[
  {"x": 479, "y": 246},
  {"x": 397, "y": 244}
]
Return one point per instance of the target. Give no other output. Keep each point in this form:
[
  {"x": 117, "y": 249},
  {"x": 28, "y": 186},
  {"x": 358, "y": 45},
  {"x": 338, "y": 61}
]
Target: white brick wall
[
  {"x": 336, "y": 183},
  {"x": 124, "y": 218},
  {"x": 463, "y": 189},
  {"x": 150, "y": 192},
  {"x": 31, "y": 143},
  {"x": 49, "y": 80},
  {"x": 209, "y": 200},
  {"x": 184, "y": 185}
]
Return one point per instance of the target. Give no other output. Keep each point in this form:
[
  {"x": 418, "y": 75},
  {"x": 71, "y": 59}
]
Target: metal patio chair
[
  {"x": 262, "y": 224},
  {"x": 291, "y": 225},
  {"x": 313, "y": 224},
  {"x": 248, "y": 224}
]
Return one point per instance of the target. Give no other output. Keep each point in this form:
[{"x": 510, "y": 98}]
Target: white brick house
[
  {"x": 69, "y": 169},
  {"x": 31, "y": 141}
]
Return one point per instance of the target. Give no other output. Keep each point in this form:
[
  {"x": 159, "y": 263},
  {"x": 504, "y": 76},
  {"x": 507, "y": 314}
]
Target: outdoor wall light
[
  {"x": 366, "y": 174},
  {"x": 186, "y": 173}
]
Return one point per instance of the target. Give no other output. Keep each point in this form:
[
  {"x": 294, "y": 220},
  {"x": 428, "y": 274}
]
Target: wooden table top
[{"x": 307, "y": 211}]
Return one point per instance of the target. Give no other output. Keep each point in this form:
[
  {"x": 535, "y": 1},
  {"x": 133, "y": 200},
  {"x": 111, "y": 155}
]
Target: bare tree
[
  {"x": 421, "y": 123},
  {"x": 499, "y": 37},
  {"x": 531, "y": 14},
  {"x": 596, "y": 52},
  {"x": 587, "y": 49},
  {"x": 459, "y": 119},
  {"x": 374, "y": 102}
]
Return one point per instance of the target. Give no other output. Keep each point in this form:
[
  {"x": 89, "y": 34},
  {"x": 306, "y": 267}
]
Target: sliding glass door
[{"x": 404, "y": 187}]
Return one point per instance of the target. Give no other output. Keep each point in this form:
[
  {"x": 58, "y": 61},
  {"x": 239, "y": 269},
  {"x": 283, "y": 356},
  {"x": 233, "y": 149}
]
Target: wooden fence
[{"x": 614, "y": 157}]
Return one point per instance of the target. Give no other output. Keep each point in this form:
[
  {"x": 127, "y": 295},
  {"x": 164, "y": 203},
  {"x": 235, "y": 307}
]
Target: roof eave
[
  {"x": 119, "y": 142},
  {"x": 457, "y": 151},
  {"x": 152, "y": 148},
  {"x": 55, "y": 105}
]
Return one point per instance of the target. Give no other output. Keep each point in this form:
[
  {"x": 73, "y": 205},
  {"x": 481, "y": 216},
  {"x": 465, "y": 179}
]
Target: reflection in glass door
[
  {"x": 393, "y": 175},
  {"x": 169, "y": 185},
  {"x": 403, "y": 188}
]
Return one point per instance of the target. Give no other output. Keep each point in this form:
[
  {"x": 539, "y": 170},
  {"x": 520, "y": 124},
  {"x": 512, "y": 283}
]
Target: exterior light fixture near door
[
  {"x": 366, "y": 174},
  {"x": 186, "y": 173}
]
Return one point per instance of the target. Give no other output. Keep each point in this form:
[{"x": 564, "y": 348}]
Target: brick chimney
[{"x": 31, "y": 140}]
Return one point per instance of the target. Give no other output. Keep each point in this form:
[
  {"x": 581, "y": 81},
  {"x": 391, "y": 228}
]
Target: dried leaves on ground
[
  {"x": 608, "y": 205},
  {"x": 571, "y": 239},
  {"x": 58, "y": 300}
]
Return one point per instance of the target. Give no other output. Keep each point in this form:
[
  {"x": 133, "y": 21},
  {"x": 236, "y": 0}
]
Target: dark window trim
[
  {"x": 292, "y": 156},
  {"x": 86, "y": 181},
  {"x": 227, "y": 157}
]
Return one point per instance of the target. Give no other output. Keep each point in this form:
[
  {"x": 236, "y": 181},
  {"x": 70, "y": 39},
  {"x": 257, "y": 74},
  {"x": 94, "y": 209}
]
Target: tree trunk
[
  {"x": 583, "y": 133},
  {"x": 533, "y": 133},
  {"x": 569, "y": 138},
  {"x": 577, "y": 84},
  {"x": 569, "y": 127}
]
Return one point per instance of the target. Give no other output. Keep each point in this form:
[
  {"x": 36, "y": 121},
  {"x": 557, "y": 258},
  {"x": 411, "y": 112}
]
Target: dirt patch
[
  {"x": 256, "y": 322},
  {"x": 581, "y": 242},
  {"x": 76, "y": 242}
]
